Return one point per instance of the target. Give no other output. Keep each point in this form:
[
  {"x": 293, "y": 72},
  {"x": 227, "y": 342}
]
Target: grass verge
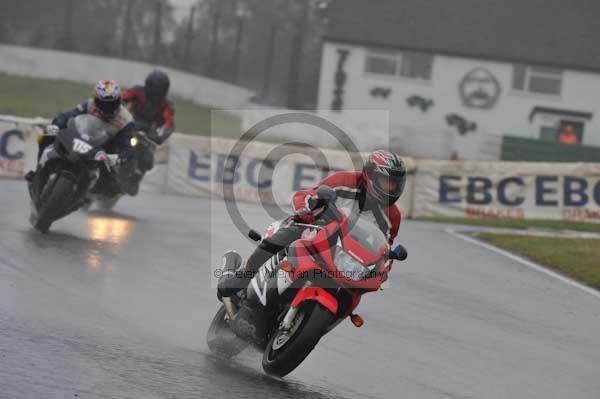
[
  {"x": 578, "y": 258},
  {"x": 31, "y": 97},
  {"x": 518, "y": 223}
]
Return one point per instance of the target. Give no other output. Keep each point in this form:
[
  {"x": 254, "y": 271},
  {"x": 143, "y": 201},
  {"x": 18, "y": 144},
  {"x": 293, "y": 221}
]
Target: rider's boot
[
  {"x": 237, "y": 278},
  {"x": 43, "y": 145},
  {"x": 29, "y": 176}
]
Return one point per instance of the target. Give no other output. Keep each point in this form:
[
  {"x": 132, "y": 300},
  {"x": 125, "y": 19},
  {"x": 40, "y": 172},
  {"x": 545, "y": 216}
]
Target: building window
[
  {"x": 407, "y": 64},
  {"x": 382, "y": 63},
  {"x": 540, "y": 80}
]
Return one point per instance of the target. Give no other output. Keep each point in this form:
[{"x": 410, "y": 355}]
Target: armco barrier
[
  {"x": 536, "y": 150},
  {"x": 198, "y": 166}
]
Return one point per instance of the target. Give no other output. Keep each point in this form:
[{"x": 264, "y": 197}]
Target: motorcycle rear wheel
[
  {"x": 221, "y": 340},
  {"x": 284, "y": 354}
]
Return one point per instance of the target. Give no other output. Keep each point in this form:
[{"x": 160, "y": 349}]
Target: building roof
[{"x": 562, "y": 33}]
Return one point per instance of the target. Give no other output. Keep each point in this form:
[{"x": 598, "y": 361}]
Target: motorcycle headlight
[
  {"x": 350, "y": 267},
  {"x": 133, "y": 141}
]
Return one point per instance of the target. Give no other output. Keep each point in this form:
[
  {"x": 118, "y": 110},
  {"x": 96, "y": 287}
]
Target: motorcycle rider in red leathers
[
  {"x": 372, "y": 193},
  {"x": 152, "y": 110}
]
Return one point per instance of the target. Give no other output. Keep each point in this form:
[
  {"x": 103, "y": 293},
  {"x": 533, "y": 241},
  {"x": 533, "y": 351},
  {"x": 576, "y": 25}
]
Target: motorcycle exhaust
[{"x": 231, "y": 262}]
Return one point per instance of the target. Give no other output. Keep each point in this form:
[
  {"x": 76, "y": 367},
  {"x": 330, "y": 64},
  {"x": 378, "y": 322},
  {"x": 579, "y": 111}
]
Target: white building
[{"x": 483, "y": 68}]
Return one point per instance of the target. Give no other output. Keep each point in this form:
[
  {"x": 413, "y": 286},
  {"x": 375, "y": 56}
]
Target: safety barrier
[
  {"x": 536, "y": 150},
  {"x": 270, "y": 173}
]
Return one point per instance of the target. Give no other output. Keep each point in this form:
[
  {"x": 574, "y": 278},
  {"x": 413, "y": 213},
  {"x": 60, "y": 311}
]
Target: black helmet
[
  {"x": 157, "y": 86},
  {"x": 384, "y": 176}
]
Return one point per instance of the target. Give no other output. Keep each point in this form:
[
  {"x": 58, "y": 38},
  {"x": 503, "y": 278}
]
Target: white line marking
[{"x": 525, "y": 262}]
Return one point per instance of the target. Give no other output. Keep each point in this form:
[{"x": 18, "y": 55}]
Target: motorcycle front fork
[{"x": 288, "y": 319}]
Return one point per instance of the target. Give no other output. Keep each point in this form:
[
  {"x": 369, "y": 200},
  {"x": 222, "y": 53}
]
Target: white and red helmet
[
  {"x": 107, "y": 98},
  {"x": 384, "y": 176}
]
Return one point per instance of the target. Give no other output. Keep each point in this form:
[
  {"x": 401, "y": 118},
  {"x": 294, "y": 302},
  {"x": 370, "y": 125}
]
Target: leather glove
[
  {"x": 305, "y": 215},
  {"x": 309, "y": 214},
  {"x": 162, "y": 134},
  {"x": 51, "y": 130}
]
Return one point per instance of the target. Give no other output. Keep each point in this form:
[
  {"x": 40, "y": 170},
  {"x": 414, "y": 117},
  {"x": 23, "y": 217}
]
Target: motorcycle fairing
[
  {"x": 317, "y": 254},
  {"x": 318, "y": 294},
  {"x": 83, "y": 134}
]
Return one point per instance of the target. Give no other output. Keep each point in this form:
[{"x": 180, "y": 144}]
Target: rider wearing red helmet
[{"x": 372, "y": 193}]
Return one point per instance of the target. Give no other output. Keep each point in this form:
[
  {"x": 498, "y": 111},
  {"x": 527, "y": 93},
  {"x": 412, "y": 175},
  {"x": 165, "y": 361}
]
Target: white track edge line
[{"x": 525, "y": 262}]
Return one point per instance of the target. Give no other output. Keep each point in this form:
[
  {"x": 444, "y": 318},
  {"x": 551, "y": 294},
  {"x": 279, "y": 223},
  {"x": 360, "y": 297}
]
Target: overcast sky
[{"x": 182, "y": 7}]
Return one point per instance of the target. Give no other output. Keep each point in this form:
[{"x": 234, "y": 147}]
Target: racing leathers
[
  {"x": 352, "y": 198},
  {"x": 120, "y": 127},
  {"x": 157, "y": 119}
]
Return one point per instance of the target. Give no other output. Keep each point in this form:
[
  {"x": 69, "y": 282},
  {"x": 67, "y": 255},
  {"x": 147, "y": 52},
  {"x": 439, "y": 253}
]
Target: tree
[{"x": 234, "y": 45}]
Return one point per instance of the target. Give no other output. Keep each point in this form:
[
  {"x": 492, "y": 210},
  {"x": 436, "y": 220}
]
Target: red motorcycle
[{"x": 303, "y": 292}]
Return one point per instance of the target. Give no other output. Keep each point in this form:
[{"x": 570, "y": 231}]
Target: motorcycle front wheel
[
  {"x": 54, "y": 203},
  {"x": 107, "y": 204},
  {"x": 287, "y": 349}
]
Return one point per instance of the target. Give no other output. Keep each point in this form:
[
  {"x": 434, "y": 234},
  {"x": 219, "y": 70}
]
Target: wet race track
[{"x": 117, "y": 306}]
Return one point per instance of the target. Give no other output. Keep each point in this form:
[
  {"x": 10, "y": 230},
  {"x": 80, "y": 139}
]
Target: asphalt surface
[{"x": 117, "y": 306}]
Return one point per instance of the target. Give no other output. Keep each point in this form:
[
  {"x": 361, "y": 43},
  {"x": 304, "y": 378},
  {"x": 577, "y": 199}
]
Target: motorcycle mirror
[
  {"x": 254, "y": 235},
  {"x": 326, "y": 193},
  {"x": 399, "y": 253},
  {"x": 52, "y": 130}
]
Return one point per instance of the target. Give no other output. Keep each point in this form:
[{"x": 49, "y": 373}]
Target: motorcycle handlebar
[
  {"x": 109, "y": 160},
  {"x": 144, "y": 126},
  {"x": 327, "y": 197}
]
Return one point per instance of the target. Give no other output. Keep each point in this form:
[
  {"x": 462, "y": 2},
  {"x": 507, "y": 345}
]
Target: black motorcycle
[{"x": 69, "y": 169}]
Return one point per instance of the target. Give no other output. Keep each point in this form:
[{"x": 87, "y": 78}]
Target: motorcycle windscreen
[
  {"x": 369, "y": 237},
  {"x": 83, "y": 134}
]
